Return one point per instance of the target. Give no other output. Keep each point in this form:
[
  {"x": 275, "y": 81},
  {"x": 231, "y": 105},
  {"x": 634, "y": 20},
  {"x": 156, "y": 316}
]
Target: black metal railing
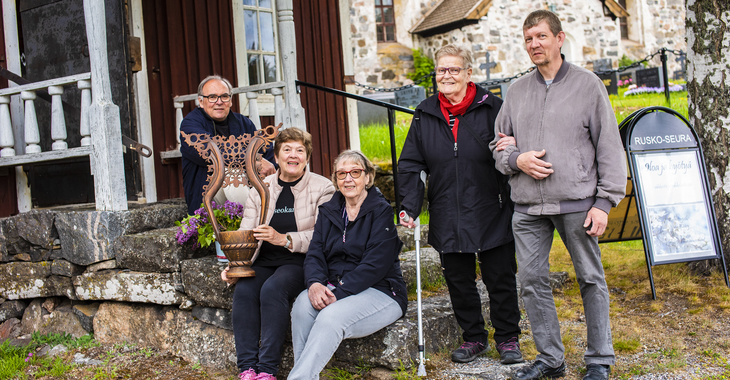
[{"x": 391, "y": 125}]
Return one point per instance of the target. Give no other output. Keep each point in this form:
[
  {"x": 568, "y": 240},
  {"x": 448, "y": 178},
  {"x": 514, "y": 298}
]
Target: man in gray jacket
[{"x": 556, "y": 135}]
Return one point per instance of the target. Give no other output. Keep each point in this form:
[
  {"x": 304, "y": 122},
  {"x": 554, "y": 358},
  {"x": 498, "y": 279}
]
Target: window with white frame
[{"x": 257, "y": 46}]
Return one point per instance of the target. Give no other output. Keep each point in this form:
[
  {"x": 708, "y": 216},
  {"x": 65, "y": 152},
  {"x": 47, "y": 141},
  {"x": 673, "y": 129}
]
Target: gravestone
[
  {"x": 603, "y": 64},
  {"x": 682, "y": 73},
  {"x": 410, "y": 97},
  {"x": 499, "y": 90},
  {"x": 609, "y": 80},
  {"x": 628, "y": 74},
  {"x": 651, "y": 77},
  {"x": 371, "y": 114}
]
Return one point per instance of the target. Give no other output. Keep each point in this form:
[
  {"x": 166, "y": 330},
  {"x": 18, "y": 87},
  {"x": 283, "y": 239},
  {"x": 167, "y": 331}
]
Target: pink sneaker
[
  {"x": 248, "y": 374},
  {"x": 265, "y": 376}
]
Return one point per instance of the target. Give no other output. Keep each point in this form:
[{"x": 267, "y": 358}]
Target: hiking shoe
[
  {"x": 248, "y": 374},
  {"x": 265, "y": 376},
  {"x": 468, "y": 352},
  {"x": 509, "y": 351}
]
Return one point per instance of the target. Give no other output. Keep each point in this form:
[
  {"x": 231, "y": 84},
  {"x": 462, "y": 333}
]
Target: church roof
[{"x": 451, "y": 14}]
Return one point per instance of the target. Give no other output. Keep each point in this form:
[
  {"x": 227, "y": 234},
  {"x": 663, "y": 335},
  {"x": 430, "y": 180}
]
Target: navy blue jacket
[
  {"x": 469, "y": 200},
  {"x": 194, "y": 167},
  {"x": 368, "y": 258}
]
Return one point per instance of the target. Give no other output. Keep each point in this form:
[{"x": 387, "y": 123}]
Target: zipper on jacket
[
  {"x": 542, "y": 133},
  {"x": 456, "y": 149},
  {"x": 458, "y": 203}
]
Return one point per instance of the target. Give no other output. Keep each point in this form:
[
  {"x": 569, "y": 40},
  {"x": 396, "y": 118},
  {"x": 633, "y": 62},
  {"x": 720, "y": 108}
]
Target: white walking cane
[{"x": 417, "y": 238}]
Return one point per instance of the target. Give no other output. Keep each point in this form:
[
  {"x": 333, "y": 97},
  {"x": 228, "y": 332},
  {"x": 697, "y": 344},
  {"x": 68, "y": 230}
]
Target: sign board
[
  {"x": 410, "y": 97},
  {"x": 650, "y": 77},
  {"x": 609, "y": 80},
  {"x": 623, "y": 220},
  {"x": 672, "y": 190}
]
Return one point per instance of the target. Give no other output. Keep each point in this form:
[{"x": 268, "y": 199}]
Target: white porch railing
[
  {"x": 59, "y": 148},
  {"x": 252, "y": 93}
]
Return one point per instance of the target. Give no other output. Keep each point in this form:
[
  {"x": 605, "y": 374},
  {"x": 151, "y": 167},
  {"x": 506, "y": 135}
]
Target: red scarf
[{"x": 457, "y": 109}]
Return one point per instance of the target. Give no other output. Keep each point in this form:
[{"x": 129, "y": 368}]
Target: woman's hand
[
  {"x": 268, "y": 233},
  {"x": 229, "y": 280},
  {"x": 505, "y": 141},
  {"x": 320, "y": 296}
]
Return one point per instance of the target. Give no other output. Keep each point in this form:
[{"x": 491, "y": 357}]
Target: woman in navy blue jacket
[{"x": 352, "y": 271}]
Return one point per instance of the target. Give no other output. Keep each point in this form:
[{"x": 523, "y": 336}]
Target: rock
[
  {"x": 154, "y": 251},
  {"x": 118, "y": 285},
  {"x": 220, "y": 318},
  {"x": 36, "y": 227},
  {"x": 10, "y": 329},
  {"x": 10, "y": 241},
  {"x": 430, "y": 267},
  {"x": 168, "y": 329},
  {"x": 86, "y": 313},
  {"x": 79, "y": 358},
  {"x": 202, "y": 282},
  {"x": 37, "y": 254},
  {"x": 87, "y": 237},
  {"x": 406, "y": 236},
  {"x": 56, "y": 350},
  {"x": 103, "y": 265},
  {"x": 11, "y": 309},
  {"x": 21, "y": 257},
  {"x": 20, "y": 280},
  {"x": 51, "y": 303},
  {"x": 61, "y": 320},
  {"x": 65, "y": 268}
]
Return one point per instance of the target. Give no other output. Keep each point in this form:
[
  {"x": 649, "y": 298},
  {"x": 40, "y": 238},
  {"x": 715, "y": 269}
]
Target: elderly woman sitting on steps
[{"x": 352, "y": 271}]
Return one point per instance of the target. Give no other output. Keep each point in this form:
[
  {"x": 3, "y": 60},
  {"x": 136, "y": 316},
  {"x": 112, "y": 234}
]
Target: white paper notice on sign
[{"x": 674, "y": 199}]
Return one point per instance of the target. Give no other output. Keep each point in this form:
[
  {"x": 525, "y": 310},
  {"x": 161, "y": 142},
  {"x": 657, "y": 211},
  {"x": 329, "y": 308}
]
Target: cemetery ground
[{"x": 683, "y": 334}]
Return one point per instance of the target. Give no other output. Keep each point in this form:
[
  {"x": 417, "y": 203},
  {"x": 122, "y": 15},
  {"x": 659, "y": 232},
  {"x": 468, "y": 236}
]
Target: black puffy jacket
[
  {"x": 469, "y": 203},
  {"x": 369, "y": 256}
]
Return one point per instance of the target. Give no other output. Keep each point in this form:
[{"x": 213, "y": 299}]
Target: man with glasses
[{"x": 212, "y": 117}]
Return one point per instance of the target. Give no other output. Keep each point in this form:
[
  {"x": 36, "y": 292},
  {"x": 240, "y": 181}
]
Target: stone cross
[{"x": 488, "y": 66}]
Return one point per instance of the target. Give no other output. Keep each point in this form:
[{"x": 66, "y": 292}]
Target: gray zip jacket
[{"x": 573, "y": 121}]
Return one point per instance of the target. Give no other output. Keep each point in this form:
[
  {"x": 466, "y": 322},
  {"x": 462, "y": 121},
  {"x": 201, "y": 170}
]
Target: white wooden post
[
  {"x": 12, "y": 58},
  {"x": 287, "y": 43},
  {"x": 142, "y": 101},
  {"x": 58, "y": 121},
  {"x": 32, "y": 136},
  {"x": 6, "y": 128},
  {"x": 253, "y": 108},
  {"x": 106, "y": 129},
  {"x": 178, "y": 120},
  {"x": 85, "y": 129},
  {"x": 278, "y": 104}
]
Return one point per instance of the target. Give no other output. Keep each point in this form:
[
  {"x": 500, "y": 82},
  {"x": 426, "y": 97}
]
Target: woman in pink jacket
[{"x": 261, "y": 304}]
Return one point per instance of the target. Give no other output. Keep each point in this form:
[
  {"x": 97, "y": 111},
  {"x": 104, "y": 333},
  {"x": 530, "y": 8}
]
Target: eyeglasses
[
  {"x": 225, "y": 98},
  {"x": 455, "y": 70},
  {"x": 354, "y": 173}
]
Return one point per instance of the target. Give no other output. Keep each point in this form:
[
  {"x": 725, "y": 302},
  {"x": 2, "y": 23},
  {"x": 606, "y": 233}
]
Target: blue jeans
[
  {"x": 261, "y": 310},
  {"x": 316, "y": 334},
  {"x": 533, "y": 239}
]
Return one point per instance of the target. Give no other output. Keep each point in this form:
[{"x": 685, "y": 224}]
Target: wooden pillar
[
  {"x": 107, "y": 162},
  {"x": 12, "y": 56},
  {"x": 288, "y": 48}
]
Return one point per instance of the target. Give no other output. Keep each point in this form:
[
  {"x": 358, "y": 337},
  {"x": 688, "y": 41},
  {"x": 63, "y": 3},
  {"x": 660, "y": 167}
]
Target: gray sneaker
[{"x": 468, "y": 352}]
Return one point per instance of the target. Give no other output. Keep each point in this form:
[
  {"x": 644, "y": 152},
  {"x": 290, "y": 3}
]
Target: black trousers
[{"x": 498, "y": 267}]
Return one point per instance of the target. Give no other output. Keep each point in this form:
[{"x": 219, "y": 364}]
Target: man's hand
[
  {"x": 266, "y": 168},
  {"x": 505, "y": 141},
  {"x": 597, "y": 220},
  {"x": 320, "y": 296},
  {"x": 531, "y": 164}
]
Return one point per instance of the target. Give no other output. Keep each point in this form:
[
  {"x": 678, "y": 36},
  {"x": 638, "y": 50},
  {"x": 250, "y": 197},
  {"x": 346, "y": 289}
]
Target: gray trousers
[
  {"x": 316, "y": 334},
  {"x": 533, "y": 240}
]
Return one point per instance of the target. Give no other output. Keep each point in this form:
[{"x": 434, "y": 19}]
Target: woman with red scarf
[{"x": 469, "y": 203}]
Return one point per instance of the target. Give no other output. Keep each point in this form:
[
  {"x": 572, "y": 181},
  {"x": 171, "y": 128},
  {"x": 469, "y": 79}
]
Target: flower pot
[{"x": 239, "y": 247}]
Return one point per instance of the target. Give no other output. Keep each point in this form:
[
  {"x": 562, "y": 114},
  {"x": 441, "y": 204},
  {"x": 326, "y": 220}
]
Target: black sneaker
[
  {"x": 468, "y": 352},
  {"x": 509, "y": 351}
]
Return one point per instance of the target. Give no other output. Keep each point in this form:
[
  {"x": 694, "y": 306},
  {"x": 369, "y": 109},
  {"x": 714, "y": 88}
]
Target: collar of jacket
[
  {"x": 231, "y": 120},
  {"x": 432, "y": 105},
  {"x": 559, "y": 76},
  {"x": 333, "y": 208}
]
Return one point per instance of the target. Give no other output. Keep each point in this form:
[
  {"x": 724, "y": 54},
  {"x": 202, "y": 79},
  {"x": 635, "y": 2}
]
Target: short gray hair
[
  {"x": 455, "y": 51},
  {"x": 214, "y": 77},
  {"x": 357, "y": 157}
]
